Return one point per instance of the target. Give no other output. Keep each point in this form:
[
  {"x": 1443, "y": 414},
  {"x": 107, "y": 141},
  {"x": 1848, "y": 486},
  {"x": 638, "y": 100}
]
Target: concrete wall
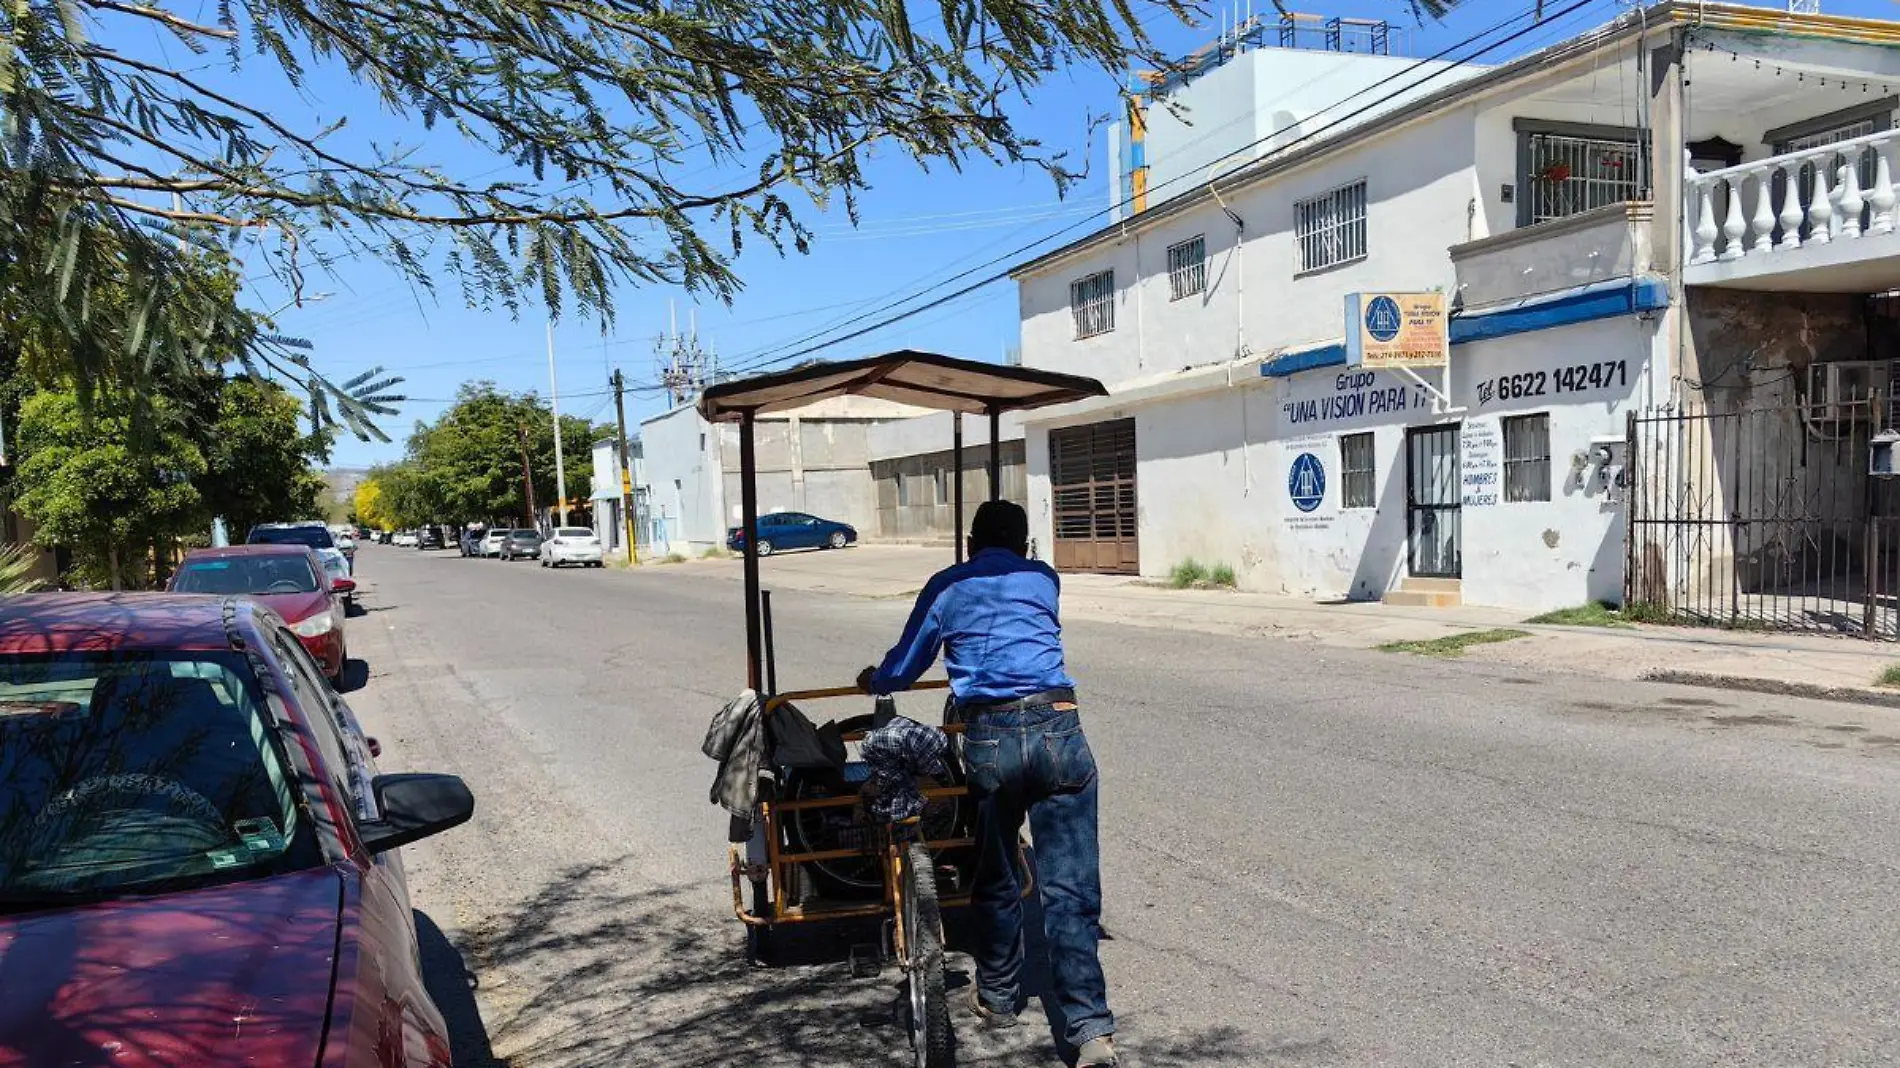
[
  {"x": 925, "y": 510},
  {"x": 1213, "y": 469},
  {"x": 687, "y": 481}
]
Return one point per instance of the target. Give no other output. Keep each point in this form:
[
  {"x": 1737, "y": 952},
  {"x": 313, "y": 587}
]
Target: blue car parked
[{"x": 794, "y": 530}]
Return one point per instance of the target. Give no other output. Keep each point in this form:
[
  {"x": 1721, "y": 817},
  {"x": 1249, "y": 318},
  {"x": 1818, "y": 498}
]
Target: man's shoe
[
  {"x": 1097, "y": 1053},
  {"x": 991, "y": 1018}
]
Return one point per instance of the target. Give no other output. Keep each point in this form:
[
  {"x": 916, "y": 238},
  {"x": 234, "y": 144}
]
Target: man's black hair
[{"x": 999, "y": 525}]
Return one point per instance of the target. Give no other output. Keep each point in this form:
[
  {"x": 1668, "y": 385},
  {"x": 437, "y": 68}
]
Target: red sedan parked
[
  {"x": 292, "y": 580},
  {"x": 197, "y": 854}
]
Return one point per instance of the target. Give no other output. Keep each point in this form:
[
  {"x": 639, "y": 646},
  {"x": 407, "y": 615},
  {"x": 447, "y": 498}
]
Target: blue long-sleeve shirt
[{"x": 995, "y": 616}]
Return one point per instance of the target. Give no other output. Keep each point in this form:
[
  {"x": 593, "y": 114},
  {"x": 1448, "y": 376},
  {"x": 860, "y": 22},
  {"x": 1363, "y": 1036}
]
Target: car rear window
[
  {"x": 139, "y": 773},
  {"x": 575, "y": 532},
  {"x": 247, "y": 574},
  {"x": 315, "y": 537},
  {"x": 526, "y": 533}
]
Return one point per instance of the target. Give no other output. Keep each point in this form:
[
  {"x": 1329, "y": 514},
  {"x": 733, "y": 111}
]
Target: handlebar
[{"x": 840, "y": 691}]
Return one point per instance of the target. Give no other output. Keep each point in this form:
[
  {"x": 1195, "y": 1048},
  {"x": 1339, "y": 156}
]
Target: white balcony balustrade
[{"x": 1837, "y": 192}]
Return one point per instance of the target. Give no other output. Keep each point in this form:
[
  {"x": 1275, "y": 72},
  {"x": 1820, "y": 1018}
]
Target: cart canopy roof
[{"x": 923, "y": 379}]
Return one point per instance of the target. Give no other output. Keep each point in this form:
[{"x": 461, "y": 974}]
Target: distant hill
[{"x": 342, "y": 495}]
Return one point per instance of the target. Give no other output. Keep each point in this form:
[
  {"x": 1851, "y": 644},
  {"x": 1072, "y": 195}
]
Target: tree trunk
[{"x": 112, "y": 564}]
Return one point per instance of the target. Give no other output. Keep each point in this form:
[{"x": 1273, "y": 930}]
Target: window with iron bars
[
  {"x": 1187, "y": 268},
  {"x": 1527, "y": 458},
  {"x": 1092, "y": 302},
  {"x": 1358, "y": 484},
  {"x": 1568, "y": 173},
  {"x": 1331, "y": 228}
]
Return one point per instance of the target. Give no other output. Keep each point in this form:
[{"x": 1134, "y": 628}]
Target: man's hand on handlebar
[{"x": 864, "y": 678}]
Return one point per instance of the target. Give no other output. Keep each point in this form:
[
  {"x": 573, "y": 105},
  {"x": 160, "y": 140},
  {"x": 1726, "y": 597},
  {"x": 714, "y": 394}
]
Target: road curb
[{"x": 1857, "y": 695}]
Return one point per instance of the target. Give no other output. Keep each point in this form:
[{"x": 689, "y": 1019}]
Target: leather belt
[{"x": 1056, "y": 698}]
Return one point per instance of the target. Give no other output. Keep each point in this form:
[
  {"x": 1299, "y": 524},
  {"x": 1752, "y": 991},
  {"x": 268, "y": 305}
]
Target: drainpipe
[{"x": 1240, "y": 266}]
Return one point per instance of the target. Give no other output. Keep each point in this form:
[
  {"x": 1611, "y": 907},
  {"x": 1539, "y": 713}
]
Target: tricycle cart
[{"x": 812, "y": 853}]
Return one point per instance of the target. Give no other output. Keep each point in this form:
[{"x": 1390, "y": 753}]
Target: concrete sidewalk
[{"x": 1826, "y": 667}]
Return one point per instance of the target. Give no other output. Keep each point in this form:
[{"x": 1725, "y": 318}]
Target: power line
[{"x": 771, "y": 354}]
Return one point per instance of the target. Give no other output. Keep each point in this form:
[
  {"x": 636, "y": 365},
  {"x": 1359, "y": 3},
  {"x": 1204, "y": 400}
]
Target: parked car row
[{"x": 559, "y": 548}]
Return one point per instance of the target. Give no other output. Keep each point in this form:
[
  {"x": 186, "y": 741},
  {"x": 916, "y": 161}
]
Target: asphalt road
[{"x": 1310, "y": 857}]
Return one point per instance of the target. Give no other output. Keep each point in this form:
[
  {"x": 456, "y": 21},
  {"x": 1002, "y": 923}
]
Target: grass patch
[
  {"x": 714, "y": 553},
  {"x": 1594, "y": 614},
  {"x": 1889, "y": 678},
  {"x": 1187, "y": 573},
  {"x": 671, "y": 558},
  {"x": 1453, "y": 645}
]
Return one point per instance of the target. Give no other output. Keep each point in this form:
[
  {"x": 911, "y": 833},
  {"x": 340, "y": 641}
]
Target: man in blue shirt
[{"x": 995, "y": 618}]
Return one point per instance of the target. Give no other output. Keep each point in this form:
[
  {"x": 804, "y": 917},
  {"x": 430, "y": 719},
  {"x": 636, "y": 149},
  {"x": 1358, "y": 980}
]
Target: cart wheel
[{"x": 923, "y": 941}]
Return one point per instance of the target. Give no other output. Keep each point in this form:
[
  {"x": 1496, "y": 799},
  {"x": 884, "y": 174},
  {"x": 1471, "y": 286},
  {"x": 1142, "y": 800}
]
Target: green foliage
[
  {"x": 258, "y": 462},
  {"x": 17, "y": 563},
  {"x": 1889, "y": 677},
  {"x": 1594, "y": 614},
  {"x": 1222, "y": 575},
  {"x": 1188, "y": 573},
  {"x": 1454, "y": 645},
  {"x": 467, "y": 464},
  {"x": 594, "y": 105},
  {"x": 85, "y": 484}
]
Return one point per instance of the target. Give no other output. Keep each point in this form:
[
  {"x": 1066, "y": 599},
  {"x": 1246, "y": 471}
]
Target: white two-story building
[{"x": 1663, "y": 243}]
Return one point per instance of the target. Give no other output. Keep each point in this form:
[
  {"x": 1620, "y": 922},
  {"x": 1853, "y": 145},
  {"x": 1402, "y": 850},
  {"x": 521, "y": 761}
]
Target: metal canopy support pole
[
  {"x": 749, "y": 524},
  {"x": 996, "y": 453},
  {"x": 956, "y": 463}
]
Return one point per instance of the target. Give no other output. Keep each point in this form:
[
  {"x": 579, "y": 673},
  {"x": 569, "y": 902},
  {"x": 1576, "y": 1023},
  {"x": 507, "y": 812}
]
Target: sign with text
[{"x": 1396, "y": 330}]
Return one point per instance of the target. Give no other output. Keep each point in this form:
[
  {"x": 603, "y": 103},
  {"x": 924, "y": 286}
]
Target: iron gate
[
  {"x": 1763, "y": 518},
  {"x": 1434, "y": 518}
]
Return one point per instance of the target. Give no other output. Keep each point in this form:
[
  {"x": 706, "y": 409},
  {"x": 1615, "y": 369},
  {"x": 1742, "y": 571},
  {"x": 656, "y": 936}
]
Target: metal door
[
  {"x": 1434, "y": 524},
  {"x": 1092, "y": 483}
]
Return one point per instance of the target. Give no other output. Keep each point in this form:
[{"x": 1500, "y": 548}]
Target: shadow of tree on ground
[{"x": 601, "y": 968}]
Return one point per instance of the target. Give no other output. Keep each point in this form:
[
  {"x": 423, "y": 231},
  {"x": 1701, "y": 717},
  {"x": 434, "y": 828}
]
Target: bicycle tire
[{"x": 923, "y": 941}]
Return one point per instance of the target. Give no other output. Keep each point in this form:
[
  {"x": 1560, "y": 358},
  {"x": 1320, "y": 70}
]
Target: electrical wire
[{"x": 773, "y": 357}]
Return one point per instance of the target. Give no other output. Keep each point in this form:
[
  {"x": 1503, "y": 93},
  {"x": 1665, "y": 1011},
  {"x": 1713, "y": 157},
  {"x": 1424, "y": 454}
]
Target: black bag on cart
[{"x": 796, "y": 743}]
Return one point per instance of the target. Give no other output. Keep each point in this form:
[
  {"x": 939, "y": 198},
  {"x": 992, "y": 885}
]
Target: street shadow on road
[
  {"x": 597, "y": 969},
  {"x": 355, "y": 676},
  {"x": 452, "y": 987}
]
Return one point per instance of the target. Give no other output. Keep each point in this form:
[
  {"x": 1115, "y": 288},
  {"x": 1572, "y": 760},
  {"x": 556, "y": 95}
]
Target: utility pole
[
  {"x": 527, "y": 476},
  {"x": 626, "y": 476},
  {"x": 560, "y": 468}
]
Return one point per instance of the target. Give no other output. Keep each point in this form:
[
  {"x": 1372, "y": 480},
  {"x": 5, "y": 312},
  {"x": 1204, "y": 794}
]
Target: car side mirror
[
  {"x": 343, "y": 585},
  {"x": 415, "y": 806}
]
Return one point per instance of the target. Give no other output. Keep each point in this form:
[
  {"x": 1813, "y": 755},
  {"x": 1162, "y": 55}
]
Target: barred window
[
  {"x": 1359, "y": 488},
  {"x": 1331, "y": 228},
  {"x": 1527, "y": 458},
  {"x": 1187, "y": 268},
  {"x": 1567, "y": 173},
  {"x": 1092, "y": 302}
]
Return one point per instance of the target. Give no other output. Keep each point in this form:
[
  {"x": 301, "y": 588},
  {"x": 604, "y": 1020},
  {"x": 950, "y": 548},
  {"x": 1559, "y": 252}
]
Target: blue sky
[{"x": 917, "y": 228}]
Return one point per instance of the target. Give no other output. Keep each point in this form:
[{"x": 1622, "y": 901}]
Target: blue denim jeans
[{"x": 1035, "y": 764}]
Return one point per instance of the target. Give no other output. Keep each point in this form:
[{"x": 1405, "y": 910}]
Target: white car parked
[
  {"x": 405, "y": 538},
  {"x": 571, "y": 545},
  {"x": 491, "y": 544}
]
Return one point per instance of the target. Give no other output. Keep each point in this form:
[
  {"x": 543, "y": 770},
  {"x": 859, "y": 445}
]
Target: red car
[
  {"x": 292, "y": 580},
  {"x": 197, "y": 854}
]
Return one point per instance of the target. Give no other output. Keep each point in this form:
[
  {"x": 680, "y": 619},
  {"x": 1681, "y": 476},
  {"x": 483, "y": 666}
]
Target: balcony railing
[{"x": 1836, "y": 192}]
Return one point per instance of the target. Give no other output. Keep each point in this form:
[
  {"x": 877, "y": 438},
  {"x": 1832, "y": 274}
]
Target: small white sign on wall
[{"x": 1481, "y": 464}]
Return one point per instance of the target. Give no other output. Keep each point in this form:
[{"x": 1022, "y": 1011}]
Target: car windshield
[
  {"x": 315, "y": 537},
  {"x": 136, "y": 772},
  {"x": 574, "y": 532},
  {"x": 247, "y": 574}
]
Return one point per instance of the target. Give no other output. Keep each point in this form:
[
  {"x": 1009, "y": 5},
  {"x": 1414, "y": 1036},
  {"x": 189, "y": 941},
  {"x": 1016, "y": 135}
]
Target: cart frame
[{"x": 925, "y": 380}]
